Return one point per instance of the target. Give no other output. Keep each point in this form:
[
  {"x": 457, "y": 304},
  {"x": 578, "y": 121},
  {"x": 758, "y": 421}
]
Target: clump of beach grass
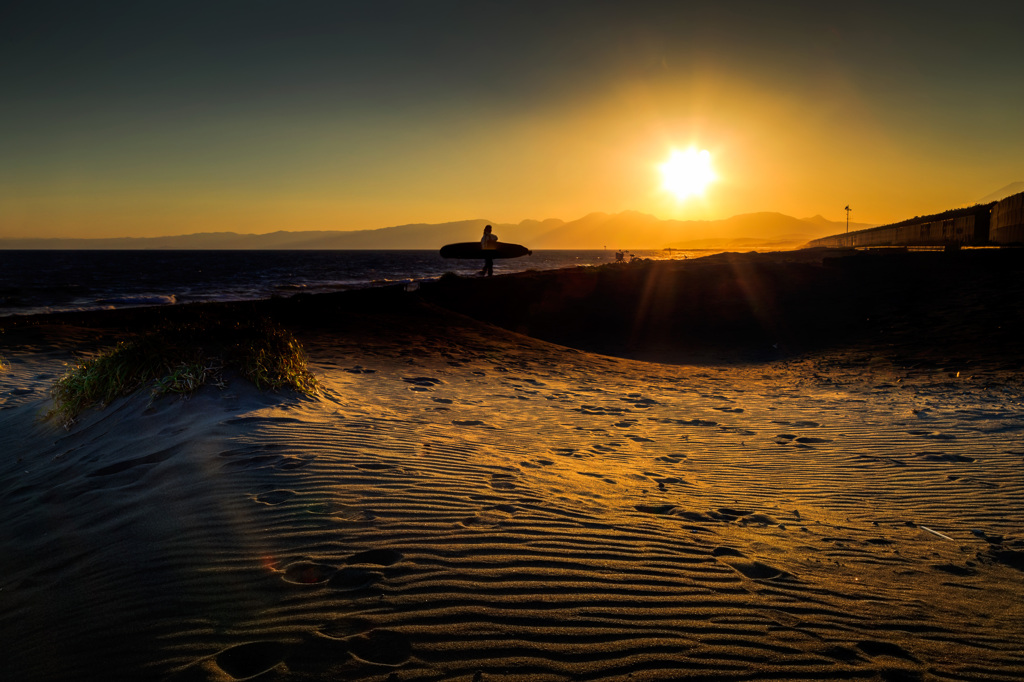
[{"x": 179, "y": 358}]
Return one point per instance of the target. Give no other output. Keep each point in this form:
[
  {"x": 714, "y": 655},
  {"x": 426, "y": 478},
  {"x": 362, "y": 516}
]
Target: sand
[{"x": 465, "y": 502}]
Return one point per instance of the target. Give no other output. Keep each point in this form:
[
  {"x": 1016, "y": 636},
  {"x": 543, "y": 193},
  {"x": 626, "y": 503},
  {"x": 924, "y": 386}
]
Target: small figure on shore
[{"x": 489, "y": 242}]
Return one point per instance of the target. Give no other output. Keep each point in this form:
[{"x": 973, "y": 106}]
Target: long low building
[
  {"x": 998, "y": 223},
  {"x": 1007, "y": 222}
]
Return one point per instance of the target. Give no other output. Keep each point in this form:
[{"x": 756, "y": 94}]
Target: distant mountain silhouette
[
  {"x": 634, "y": 230},
  {"x": 1002, "y": 193},
  {"x": 414, "y": 236},
  {"x": 626, "y": 230}
]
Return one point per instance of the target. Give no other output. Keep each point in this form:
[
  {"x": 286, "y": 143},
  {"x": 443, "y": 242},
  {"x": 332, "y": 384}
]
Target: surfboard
[{"x": 473, "y": 250}]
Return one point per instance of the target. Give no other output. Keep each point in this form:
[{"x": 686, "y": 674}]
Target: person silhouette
[{"x": 489, "y": 242}]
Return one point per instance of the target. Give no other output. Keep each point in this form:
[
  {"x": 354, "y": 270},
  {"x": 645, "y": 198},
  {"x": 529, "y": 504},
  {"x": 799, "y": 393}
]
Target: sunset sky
[{"x": 146, "y": 119}]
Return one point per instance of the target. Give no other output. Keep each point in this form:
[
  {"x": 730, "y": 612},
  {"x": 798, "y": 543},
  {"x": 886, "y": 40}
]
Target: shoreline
[{"x": 85, "y": 281}]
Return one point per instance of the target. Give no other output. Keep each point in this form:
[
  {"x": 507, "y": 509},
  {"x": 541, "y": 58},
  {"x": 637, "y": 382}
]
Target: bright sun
[{"x": 687, "y": 173}]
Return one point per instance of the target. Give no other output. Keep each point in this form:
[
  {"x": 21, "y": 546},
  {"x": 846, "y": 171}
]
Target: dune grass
[{"x": 179, "y": 358}]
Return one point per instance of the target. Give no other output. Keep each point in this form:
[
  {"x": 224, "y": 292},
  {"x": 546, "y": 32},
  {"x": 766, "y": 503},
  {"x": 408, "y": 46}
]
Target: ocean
[{"x": 37, "y": 282}]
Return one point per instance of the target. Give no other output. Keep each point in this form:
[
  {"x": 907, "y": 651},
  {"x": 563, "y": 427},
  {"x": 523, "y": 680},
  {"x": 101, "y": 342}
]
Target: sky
[{"x": 149, "y": 119}]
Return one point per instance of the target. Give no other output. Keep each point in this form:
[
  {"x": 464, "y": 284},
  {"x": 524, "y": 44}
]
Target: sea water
[{"x": 36, "y": 282}]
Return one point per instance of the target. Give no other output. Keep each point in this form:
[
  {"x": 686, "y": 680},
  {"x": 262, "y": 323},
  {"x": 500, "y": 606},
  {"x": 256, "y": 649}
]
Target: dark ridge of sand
[
  {"x": 466, "y": 503},
  {"x": 765, "y": 306},
  {"x": 731, "y": 307}
]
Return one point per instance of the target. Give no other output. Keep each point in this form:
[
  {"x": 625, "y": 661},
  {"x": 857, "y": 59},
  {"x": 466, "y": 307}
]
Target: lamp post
[{"x": 848, "y": 209}]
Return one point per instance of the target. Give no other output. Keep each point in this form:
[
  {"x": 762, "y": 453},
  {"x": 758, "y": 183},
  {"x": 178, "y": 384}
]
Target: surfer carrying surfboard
[
  {"x": 488, "y": 248},
  {"x": 489, "y": 242}
]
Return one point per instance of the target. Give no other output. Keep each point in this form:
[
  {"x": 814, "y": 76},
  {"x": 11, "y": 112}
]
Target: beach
[{"x": 745, "y": 467}]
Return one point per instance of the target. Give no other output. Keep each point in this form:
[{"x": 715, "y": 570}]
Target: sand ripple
[{"x": 533, "y": 513}]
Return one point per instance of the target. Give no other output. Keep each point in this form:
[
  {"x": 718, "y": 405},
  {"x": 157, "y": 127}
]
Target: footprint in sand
[
  {"x": 421, "y": 383},
  {"x": 600, "y": 477},
  {"x": 664, "y": 482},
  {"x": 755, "y": 570},
  {"x": 797, "y": 424},
  {"x": 638, "y": 401},
  {"x": 875, "y": 648},
  {"x": 374, "y": 466},
  {"x": 727, "y": 551},
  {"x": 251, "y": 659},
  {"x": 697, "y": 422},
  {"x": 308, "y": 573},
  {"x": 275, "y": 496},
  {"x": 502, "y": 482},
  {"x": 666, "y": 509},
  {"x": 382, "y": 647},
  {"x": 727, "y": 514},
  {"x": 658, "y": 509},
  {"x": 944, "y": 457},
  {"x": 354, "y": 579}
]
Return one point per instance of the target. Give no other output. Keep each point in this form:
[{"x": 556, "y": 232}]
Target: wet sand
[{"x": 819, "y": 478}]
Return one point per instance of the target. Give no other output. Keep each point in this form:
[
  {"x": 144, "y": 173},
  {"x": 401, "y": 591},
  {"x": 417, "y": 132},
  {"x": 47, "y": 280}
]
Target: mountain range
[
  {"x": 626, "y": 230},
  {"x": 1003, "y": 192}
]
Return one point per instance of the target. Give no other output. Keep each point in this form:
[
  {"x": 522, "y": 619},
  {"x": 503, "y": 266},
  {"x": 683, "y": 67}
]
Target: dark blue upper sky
[{"x": 155, "y": 118}]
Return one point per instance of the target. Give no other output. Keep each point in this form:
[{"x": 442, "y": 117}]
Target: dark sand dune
[{"x": 466, "y": 503}]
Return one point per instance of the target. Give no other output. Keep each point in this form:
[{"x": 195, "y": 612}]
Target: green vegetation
[{"x": 182, "y": 357}]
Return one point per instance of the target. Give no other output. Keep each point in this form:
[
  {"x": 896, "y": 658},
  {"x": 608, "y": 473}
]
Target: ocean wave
[
  {"x": 33, "y": 283},
  {"x": 137, "y": 299}
]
